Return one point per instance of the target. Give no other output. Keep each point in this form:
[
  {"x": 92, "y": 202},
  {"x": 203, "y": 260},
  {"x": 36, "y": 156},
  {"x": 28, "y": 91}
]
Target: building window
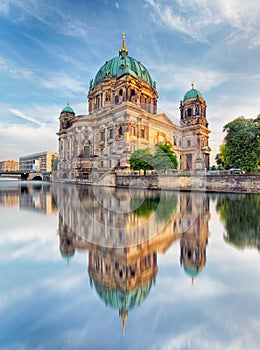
[
  {"x": 142, "y": 132},
  {"x": 101, "y": 164},
  {"x": 189, "y": 112},
  {"x": 179, "y": 143},
  {"x": 111, "y": 133},
  {"x": 120, "y": 131},
  {"x": 86, "y": 152},
  {"x": 102, "y": 135},
  {"x": 188, "y": 143},
  {"x": 132, "y": 130}
]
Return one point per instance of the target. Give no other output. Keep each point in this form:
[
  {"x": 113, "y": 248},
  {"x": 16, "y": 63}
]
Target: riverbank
[{"x": 201, "y": 183}]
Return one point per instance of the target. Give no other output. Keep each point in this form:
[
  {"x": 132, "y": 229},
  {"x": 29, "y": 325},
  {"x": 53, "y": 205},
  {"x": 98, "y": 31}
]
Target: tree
[
  {"x": 241, "y": 148},
  {"x": 141, "y": 159},
  {"x": 164, "y": 157},
  {"x": 54, "y": 164}
]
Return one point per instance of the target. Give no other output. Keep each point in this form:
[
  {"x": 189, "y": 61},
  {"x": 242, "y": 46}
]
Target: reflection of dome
[
  {"x": 192, "y": 271},
  {"x": 68, "y": 255},
  {"x": 123, "y": 65},
  {"x": 67, "y": 109},
  {"x": 121, "y": 300},
  {"x": 193, "y": 93}
]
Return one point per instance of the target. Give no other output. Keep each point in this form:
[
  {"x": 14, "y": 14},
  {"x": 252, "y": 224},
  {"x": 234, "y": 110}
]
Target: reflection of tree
[
  {"x": 163, "y": 206},
  {"x": 241, "y": 215}
]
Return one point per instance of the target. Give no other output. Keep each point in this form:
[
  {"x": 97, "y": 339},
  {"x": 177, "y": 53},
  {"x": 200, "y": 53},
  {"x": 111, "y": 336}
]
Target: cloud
[
  {"x": 18, "y": 140},
  {"x": 25, "y": 117},
  {"x": 172, "y": 76},
  {"x": 14, "y": 70},
  {"x": 4, "y": 6},
  {"x": 198, "y": 19},
  {"x": 63, "y": 82}
]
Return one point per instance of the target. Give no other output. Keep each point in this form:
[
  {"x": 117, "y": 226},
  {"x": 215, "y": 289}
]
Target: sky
[{"x": 50, "y": 50}]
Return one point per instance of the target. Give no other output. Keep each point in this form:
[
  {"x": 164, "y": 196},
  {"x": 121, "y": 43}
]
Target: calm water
[{"x": 100, "y": 268}]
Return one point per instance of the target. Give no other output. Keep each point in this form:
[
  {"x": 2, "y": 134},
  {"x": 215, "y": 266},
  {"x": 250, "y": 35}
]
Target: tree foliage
[
  {"x": 163, "y": 159},
  {"x": 241, "y": 148},
  {"x": 141, "y": 159}
]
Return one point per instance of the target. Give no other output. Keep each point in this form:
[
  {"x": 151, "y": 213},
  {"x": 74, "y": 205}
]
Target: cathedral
[{"x": 122, "y": 118}]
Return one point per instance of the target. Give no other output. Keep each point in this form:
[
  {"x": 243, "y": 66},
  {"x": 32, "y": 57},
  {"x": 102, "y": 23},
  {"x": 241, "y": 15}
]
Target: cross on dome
[{"x": 123, "y": 51}]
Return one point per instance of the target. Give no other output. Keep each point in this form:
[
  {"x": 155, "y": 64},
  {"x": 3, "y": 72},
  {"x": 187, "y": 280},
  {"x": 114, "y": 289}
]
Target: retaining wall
[{"x": 207, "y": 183}]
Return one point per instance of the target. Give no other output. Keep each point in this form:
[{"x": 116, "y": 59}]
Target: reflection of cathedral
[
  {"x": 194, "y": 239},
  {"x": 123, "y": 118},
  {"x": 122, "y": 268}
]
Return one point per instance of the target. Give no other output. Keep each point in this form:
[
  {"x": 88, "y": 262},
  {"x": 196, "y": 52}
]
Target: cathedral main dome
[{"x": 123, "y": 65}]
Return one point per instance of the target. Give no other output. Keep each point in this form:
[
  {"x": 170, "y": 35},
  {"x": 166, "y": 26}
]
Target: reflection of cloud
[{"x": 14, "y": 296}]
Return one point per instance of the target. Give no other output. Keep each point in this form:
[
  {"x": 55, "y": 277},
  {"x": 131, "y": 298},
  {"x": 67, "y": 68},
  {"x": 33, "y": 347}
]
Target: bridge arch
[{"x": 37, "y": 178}]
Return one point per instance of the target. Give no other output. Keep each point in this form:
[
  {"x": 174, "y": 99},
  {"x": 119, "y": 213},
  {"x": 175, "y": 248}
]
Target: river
[{"x": 104, "y": 268}]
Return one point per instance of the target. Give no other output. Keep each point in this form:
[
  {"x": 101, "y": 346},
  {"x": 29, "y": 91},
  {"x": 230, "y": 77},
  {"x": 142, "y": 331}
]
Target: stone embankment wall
[{"x": 207, "y": 183}]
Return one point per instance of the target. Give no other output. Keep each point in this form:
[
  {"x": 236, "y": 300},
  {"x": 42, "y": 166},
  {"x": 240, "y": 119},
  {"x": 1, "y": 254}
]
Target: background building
[
  {"x": 37, "y": 162},
  {"x": 9, "y": 165},
  {"x": 123, "y": 118}
]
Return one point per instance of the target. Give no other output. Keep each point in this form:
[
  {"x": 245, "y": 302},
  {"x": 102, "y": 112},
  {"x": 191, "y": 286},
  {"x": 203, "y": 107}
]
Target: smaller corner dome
[
  {"x": 67, "y": 109},
  {"x": 193, "y": 93}
]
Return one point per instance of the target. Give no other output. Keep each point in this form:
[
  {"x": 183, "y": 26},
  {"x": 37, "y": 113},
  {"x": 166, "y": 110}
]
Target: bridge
[{"x": 22, "y": 175}]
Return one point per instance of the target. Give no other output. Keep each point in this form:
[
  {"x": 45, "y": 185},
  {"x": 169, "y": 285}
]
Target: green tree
[
  {"x": 241, "y": 148},
  {"x": 219, "y": 161},
  {"x": 141, "y": 159},
  {"x": 54, "y": 164},
  {"x": 241, "y": 217},
  {"x": 164, "y": 157}
]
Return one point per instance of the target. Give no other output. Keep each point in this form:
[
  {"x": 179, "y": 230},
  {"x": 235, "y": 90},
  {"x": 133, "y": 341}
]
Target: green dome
[
  {"x": 121, "y": 65},
  {"x": 68, "y": 109},
  {"x": 193, "y": 93}
]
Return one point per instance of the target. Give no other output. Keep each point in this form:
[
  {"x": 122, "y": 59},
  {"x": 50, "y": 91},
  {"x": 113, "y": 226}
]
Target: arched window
[
  {"x": 189, "y": 112},
  {"x": 120, "y": 130}
]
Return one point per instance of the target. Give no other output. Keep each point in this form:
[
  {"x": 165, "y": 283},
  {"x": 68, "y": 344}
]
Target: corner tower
[{"x": 195, "y": 132}]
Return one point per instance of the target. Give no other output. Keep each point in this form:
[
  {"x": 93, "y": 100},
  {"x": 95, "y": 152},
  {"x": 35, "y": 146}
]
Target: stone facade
[{"x": 123, "y": 118}]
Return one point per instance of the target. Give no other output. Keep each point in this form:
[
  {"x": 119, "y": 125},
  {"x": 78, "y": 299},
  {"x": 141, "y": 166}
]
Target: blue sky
[{"x": 50, "y": 50}]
